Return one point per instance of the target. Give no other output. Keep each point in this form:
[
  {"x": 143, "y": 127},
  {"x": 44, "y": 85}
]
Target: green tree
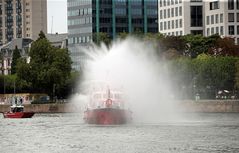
[
  {"x": 237, "y": 74},
  {"x": 16, "y": 55},
  {"x": 198, "y": 44},
  {"x": 23, "y": 76},
  {"x": 213, "y": 74},
  {"x": 172, "y": 42},
  {"x": 49, "y": 66},
  {"x": 224, "y": 47},
  {"x": 101, "y": 37}
]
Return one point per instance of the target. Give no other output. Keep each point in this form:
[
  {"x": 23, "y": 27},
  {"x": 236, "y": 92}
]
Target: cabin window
[{"x": 97, "y": 96}]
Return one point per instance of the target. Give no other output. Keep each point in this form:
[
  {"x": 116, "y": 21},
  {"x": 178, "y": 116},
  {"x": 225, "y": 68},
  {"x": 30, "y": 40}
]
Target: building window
[
  {"x": 195, "y": 0},
  {"x": 164, "y": 13},
  {"x": 208, "y": 18},
  {"x": 8, "y": 62},
  {"x": 180, "y": 23},
  {"x": 165, "y": 25},
  {"x": 172, "y": 24},
  {"x": 212, "y": 30},
  {"x": 237, "y": 17},
  {"x": 168, "y": 13},
  {"x": 238, "y": 30},
  {"x": 208, "y": 31},
  {"x": 230, "y": 17},
  {"x": 214, "y": 5},
  {"x": 161, "y": 26},
  {"x": 196, "y": 16},
  {"x": 221, "y": 30},
  {"x": 212, "y": 19},
  {"x": 180, "y": 11},
  {"x": 221, "y": 18},
  {"x": 231, "y": 30},
  {"x": 176, "y": 23},
  {"x": 230, "y": 4},
  {"x": 172, "y": 12},
  {"x": 176, "y": 11},
  {"x": 216, "y": 17},
  {"x": 172, "y": 2},
  {"x": 217, "y": 30},
  {"x": 181, "y": 33},
  {"x": 161, "y": 14},
  {"x": 168, "y": 24},
  {"x": 237, "y": 2}
]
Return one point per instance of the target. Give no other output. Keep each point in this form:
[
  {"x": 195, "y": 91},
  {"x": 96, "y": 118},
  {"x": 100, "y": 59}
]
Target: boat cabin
[
  {"x": 15, "y": 109},
  {"x": 105, "y": 99}
]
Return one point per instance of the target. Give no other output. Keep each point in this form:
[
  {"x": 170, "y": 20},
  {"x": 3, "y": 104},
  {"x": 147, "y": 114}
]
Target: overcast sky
[{"x": 57, "y": 12}]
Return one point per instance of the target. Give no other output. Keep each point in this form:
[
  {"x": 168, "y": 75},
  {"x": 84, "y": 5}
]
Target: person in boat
[{"x": 20, "y": 100}]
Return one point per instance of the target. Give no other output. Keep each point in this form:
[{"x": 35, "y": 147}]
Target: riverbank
[
  {"x": 210, "y": 106},
  {"x": 47, "y": 108},
  {"x": 204, "y": 106}
]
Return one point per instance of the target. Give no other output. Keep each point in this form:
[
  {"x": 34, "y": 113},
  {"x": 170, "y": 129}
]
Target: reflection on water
[{"x": 53, "y": 133}]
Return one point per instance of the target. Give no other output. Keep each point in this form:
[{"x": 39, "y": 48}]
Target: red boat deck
[
  {"x": 18, "y": 114},
  {"x": 107, "y": 116}
]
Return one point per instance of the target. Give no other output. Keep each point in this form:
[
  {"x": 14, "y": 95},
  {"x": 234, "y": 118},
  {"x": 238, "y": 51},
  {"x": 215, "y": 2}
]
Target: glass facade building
[{"x": 86, "y": 17}]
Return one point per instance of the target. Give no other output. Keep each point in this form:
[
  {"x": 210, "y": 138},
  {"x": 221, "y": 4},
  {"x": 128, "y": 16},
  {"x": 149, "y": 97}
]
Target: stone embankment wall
[
  {"x": 207, "y": 106},
  {"x": 210, "y": 106},
  {"x": 47, "y": 108}
]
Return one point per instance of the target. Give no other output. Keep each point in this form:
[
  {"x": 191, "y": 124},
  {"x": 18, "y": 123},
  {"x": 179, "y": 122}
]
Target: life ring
[{"x": 108, "y": 102}]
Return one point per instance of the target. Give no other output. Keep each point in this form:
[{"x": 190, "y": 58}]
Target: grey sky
[{"x": 57, "y": 9}]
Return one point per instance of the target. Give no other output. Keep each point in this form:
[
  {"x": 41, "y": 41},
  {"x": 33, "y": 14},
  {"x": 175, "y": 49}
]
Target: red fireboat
[
  {"x": 17, "y": 111},
  {"x": 107, "y": 108}
]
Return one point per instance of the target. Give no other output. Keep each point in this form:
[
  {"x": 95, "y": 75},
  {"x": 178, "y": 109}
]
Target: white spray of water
[{"x": 134, "y": 66}]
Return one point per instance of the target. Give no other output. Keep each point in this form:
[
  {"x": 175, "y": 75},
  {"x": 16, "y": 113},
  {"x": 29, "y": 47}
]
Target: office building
[
  {"x": 89, "y": 17},
  {"x": 222, "y": 17},
  {"x": 178, "y": 17},
  {"x": 206, "y": 17}
]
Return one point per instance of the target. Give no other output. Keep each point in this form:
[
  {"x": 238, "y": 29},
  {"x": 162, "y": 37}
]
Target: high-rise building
[
  {"x": 22, "y": 19},
  {"x": 206, "y": 17},
  {"x": 178, "y": 17},
  {"x": 87, "y": 17},
  {"x": 222, "y": 17}
]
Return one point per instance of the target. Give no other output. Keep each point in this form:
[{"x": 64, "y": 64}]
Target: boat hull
[
  {"x": 107, "y": 116},
  {"x": 18, "y": 115}
]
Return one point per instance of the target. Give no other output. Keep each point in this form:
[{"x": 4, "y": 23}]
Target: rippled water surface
[{"x": 66, "y": 133}]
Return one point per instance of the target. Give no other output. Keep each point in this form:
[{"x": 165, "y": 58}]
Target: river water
[{"x": 66, "y": 133}]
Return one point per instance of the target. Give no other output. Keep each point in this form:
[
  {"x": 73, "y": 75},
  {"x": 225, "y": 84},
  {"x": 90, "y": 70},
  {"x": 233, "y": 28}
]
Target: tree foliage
[
  {"x": 49, "y": 66},
  {"x": 16, "y": 55},
  {"x": 101, "y": 37},
  {"x": 224, "y": 47}
]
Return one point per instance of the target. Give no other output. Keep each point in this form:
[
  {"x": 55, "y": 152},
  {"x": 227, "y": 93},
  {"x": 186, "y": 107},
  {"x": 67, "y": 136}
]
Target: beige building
[
  {"x": 207, "y": 17},
  {"x": 22, "y": 19},
  {"x": 179, "y": 17},
  {"x": 222, "y": 17}
]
